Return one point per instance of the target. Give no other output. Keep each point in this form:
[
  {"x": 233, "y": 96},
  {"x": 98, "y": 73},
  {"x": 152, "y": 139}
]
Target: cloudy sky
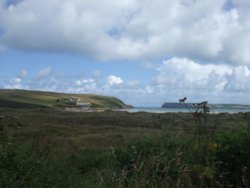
[{"x": 141, "y": 51}]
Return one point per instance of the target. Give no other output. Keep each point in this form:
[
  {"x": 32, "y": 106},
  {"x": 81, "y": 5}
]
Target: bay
[{"x": 213, "y": 110}]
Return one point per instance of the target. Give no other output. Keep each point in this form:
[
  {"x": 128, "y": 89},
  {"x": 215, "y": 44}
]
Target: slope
[{"x": 30, "y": 99}]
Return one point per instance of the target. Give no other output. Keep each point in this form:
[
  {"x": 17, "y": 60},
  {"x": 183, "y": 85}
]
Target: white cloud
[
  {"x": 114, "y": 80},
  {"x": 179, "y": 70},
  {"x": 131, "y": 29},
  {"x": 16, "y": 80},
  {"x": 44, "y": 72},
  {"x": 15, "y": 83},
  {"x": 23, "y": 73},
  {"x": 179, "y": 77},
  {"x": 238, "y": 80},
  {"x": 85, "y": 85}
]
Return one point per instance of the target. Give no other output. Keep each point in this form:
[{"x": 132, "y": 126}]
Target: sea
[{"x": 213, "y": 110}]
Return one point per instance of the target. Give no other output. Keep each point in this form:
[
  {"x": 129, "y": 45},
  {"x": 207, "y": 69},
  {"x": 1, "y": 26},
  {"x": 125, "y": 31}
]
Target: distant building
[
  {"x": 83, "y": 105},
  {"x": 74, "y": 99}
]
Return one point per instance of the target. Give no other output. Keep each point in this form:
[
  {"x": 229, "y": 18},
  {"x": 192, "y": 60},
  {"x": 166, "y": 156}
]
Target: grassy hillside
[{"x": 30, "y": 99}]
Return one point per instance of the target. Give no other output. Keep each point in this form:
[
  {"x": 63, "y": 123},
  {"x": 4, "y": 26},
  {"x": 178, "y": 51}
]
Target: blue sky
[
  {"x": 143, "y": 52},
  {"x": 12, "y": 62}
]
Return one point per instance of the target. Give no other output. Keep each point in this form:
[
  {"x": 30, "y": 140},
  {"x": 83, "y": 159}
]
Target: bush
[
  {"x": 20, "y": 166},
  {"x": 235, "y": 156}
]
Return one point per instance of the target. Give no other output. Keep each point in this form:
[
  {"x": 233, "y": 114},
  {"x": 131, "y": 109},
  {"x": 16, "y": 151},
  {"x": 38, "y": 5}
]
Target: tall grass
[
  {"x": 42, "y": 155},
  {"x": 168, "y": 160}
]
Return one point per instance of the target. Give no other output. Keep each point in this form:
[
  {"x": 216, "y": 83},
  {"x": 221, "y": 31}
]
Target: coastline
[
  {"x": 183, "y": 110},
  {"x": 154, "y": 110}
]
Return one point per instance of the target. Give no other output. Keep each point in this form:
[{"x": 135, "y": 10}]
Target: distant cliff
[
  {"x": 190, "y": 105},
  {"x": 174, "y": 105}
]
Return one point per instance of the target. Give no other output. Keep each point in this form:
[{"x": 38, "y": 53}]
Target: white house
[
  {"x": 83, "y": 105},
  {"x": 74, "y": 99}
]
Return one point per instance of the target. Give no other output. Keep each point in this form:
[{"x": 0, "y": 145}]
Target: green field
[
  {"x": 46, "y": 147},
  {"x": 37, "y": 99}
]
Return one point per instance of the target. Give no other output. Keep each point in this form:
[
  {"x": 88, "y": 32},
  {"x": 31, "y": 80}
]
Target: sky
[{"x": 143, "y": 52}]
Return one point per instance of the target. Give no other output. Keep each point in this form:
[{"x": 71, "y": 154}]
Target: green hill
[{"x": 31, "y": 99}]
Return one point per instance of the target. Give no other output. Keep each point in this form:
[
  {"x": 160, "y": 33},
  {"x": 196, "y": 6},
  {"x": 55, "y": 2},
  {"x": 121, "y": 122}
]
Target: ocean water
[{"x": 176, "y": 110}]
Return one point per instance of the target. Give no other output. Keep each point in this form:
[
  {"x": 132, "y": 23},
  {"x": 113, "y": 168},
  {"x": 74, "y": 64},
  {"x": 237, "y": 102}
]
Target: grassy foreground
[{"x": 51, "y": 148}]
